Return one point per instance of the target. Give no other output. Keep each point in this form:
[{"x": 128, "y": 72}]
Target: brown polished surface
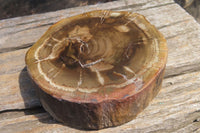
[{"x": 98, "y": 69}]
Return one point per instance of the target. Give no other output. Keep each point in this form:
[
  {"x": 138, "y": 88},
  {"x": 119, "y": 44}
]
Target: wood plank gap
[
  {"x": 172, "y": 24},
  {"x": 182, "y": 73},
  {"x": 179, "y": 34},
  {"x": 42, "y": 25},
  {"x": 129, "y": 6},
  {"x": 34, "y": 21},
  {"x": 10, "y": 49},
  {"x": 172, "y": 3},
  {"x": 32, "y": 109}
]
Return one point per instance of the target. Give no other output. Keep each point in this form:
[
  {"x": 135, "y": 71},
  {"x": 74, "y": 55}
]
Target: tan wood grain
[{"x": 175, "y": 108}]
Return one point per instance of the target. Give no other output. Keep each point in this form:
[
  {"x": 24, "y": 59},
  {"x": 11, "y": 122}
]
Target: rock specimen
[{"x": 98, "y": 69}]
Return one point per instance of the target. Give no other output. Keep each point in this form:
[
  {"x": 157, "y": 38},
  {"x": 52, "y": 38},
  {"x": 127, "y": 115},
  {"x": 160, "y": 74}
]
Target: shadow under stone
[
  {"x": 31, "y": 101},
  {"x": 28, "y": 90}
]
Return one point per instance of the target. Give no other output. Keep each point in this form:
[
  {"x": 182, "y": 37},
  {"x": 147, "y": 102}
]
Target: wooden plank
[
  {"x": 45, "y": 17},
  {"x": 175, "y": 108},
  {"x": 17, "y": 90},
  {"x": 12, "y": 31},
  {"x": 179, "y": 42}
]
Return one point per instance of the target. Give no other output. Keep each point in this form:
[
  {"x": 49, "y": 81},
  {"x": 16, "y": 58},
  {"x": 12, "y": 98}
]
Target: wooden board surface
[{"x": 177, "y": 106}]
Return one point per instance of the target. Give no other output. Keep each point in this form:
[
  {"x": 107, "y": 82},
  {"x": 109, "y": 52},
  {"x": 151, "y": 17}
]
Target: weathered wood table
[{"x": 175, "y": 109}]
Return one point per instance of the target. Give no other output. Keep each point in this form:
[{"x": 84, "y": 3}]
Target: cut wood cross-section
[{"x": 98, "y": 69}]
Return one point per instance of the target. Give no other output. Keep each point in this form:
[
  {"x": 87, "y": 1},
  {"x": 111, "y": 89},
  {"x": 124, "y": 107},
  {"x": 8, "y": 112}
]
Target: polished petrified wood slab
[{"x": 98, "y": 69}]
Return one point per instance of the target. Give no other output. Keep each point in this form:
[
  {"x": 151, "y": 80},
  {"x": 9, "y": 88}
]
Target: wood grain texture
[
  {"x": 176, "y": 108},
  {"x": 172, "y": 110},
  {"x": 12, "y": 31}
]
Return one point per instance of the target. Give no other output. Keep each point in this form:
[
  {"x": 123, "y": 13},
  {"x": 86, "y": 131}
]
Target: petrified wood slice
[{"x": 98, "y": 69}]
